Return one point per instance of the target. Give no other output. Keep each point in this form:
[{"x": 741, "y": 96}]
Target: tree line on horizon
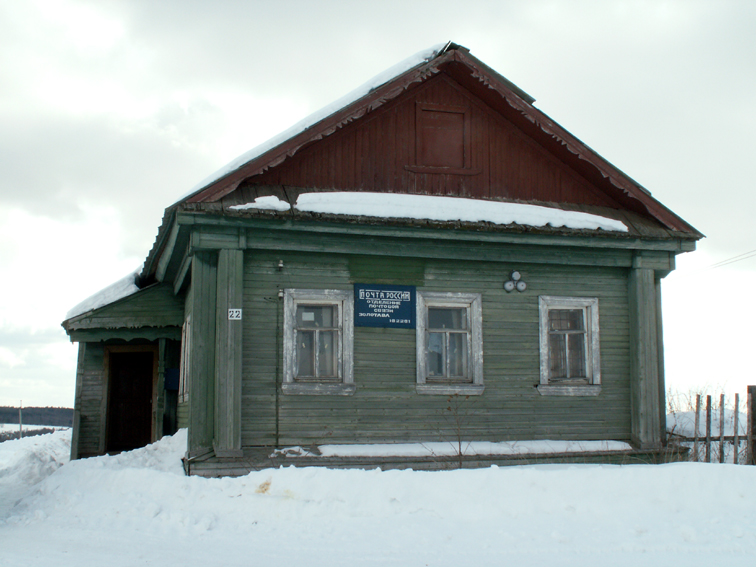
[{"x": 59, "y": 417}]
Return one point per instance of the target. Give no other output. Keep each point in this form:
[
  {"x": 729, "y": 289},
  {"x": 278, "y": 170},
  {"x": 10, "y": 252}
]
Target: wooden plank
[
  {"x": 695, "y": 434},
  {"x": 721, "y": 428},
  {"x": 751, "y": 417},
  {"x": 736, "y": 432},
  {"x": 201, "y": 370},
  {"x": 644, "y": 362},
  {"x": 228, "y": 354},
  {"x": 708, "y": 429}
]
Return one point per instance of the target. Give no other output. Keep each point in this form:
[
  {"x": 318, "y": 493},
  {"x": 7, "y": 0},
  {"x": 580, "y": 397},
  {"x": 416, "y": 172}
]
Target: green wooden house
[{"x": 432, "y": 258}]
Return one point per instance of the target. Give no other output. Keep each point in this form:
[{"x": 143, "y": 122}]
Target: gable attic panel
[
  {"x": 593, "y": 178},
  {"x": 383, "y": 153}
]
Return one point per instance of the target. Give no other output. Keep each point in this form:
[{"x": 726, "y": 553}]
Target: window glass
[
  {"x": 566, "y": 319},
  {"x": 309, "y": 316},
  {"x": 327, "y": 350},
  {"x": 447, "y": 318},
  {"x": 305, "y": 353},
  {"x": 436, "y": 354},
  {"x": 457, "y": 355}
]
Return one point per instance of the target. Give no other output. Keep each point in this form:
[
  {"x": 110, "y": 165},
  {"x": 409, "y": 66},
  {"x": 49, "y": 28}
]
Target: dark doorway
[{"x": 130, "y": 400}]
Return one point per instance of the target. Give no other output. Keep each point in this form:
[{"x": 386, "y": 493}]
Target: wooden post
[
  {"x": 696, "y": 432},
  {"x": 228, "y": 360},
  {"x": 708, "y": 429},
  {"x": 645, "y": 413},
  {"x": 201, "y": 363},
  {"x": 736, "y": 436},
  {"x": 20, "y": 420},
  {"x": 750, "y": 417},
  {"x": 721, "y": 427}
]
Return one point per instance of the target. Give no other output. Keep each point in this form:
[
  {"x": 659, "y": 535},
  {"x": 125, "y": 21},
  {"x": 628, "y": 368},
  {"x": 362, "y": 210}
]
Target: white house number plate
[{"x": 234, "y": 314}]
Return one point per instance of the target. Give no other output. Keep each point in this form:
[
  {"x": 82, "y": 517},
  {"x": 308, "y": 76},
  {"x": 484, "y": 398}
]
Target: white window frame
[
  {"x": 473, "y": 382},
  {"x": 591, "y": 384},
  {"x": 343, "y": 300}
]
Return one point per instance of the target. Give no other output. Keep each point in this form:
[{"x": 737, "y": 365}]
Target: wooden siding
[
  {"x": 91, "y": 372},
  {"x": 182, "y": 420},
  {"x": 386, "y": 407},
  {"x": 380, "y": 154}
]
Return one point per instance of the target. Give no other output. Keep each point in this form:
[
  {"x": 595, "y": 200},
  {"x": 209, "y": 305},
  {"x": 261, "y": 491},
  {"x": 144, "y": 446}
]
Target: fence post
[
  {"x": 696, "y": 432},
  {"x": 750, "y": 417},
  {"x": 721, "y": 427},
  {"x": 708, "y": 429},
  {"x": 736, "y": 436}
]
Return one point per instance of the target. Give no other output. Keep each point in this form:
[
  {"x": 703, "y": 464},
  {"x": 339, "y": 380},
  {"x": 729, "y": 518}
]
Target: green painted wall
[
  {"x": 183, "y": 415},
  {"x": 386, "y": 407}
]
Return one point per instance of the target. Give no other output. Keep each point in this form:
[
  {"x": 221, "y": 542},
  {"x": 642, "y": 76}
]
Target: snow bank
[
  {"x": 137, "y": 508},
  {"x": 314, "y": 118},
  {"x": 436, "y": 208},
  {"x": 120, "y": 289},
  {"x": 27, "y": 461}
]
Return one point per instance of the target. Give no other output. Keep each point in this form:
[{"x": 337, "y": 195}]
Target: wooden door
[{"x": 130, "y": 400}]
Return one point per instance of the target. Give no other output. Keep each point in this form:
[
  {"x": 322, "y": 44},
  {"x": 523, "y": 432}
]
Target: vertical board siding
[
  {"x": 90, "y": 421},
  {"x": 386, "y": 407},
  {"x": 372, "y": 154}
]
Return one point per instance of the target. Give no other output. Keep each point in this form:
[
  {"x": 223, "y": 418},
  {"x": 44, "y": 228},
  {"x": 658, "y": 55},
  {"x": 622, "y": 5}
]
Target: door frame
[{"x": 105, "y": 402}]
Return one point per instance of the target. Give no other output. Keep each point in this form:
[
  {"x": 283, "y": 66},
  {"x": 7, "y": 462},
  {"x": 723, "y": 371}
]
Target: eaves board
[{"x": 652, "y": 237}]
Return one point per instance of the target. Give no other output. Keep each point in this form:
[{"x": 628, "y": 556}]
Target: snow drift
[{"x": 138, "y": 508}]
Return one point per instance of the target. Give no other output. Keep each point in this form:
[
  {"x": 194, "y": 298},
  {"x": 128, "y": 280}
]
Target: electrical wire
[{"x": 725, "y": 262}]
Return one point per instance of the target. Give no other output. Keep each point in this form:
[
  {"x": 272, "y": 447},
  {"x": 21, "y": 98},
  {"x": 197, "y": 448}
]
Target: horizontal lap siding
[{"x": 386, "y": 407}]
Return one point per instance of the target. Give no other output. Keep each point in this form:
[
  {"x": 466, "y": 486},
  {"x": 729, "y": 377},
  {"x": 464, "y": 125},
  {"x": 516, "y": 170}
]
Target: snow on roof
[
  {"x": 315, "y": 117},
  {"x": 122, "y": 288},
  {"x": 268, "y": 203},
  {"x": 431, "y": 207}
]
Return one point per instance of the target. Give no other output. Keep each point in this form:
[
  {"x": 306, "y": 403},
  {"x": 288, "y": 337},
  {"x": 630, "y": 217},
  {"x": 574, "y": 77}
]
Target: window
[
  {"x": 449, "y": 343},
  {"x": 569, "y": 345},
  {"x": 442, "y": 140},
  {"x": 318, "y": 338}
]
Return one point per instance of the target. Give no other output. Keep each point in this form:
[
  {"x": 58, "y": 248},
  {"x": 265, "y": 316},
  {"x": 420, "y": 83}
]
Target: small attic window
[{"x": 442, "y": 139}]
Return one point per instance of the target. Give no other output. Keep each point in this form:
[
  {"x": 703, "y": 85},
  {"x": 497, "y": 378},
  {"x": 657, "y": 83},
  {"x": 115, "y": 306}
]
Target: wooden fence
[{"x": 705, "y": 442}]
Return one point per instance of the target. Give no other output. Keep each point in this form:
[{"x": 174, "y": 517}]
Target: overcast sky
[{"x": 111, "y": 111}]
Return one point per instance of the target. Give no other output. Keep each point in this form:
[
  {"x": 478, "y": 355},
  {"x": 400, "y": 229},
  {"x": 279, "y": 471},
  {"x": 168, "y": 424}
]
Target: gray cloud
[{"x": 664, "y": 90}]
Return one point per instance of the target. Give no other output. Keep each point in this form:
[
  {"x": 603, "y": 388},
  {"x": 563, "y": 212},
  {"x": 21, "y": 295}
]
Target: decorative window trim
[
  {"x": 344, "y": 301},
  {"x": 473, "y": 385},
  {"x": 591, "y": 384},
  {"x": 186, "y": 335}
]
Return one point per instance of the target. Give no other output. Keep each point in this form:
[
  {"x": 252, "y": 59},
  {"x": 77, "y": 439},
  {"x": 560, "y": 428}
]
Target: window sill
[
  {"x": 561, "y": 390},
  {"x": 450, "y": 389},
  {"x": 314, "y": 389}
]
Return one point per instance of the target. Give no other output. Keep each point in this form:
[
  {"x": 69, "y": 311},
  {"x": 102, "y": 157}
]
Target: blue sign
[{"x": 377, "y": 305}]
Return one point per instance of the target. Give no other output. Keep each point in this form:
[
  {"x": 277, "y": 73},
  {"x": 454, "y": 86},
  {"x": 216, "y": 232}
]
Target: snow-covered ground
[{"x": 138, "y": 508}]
